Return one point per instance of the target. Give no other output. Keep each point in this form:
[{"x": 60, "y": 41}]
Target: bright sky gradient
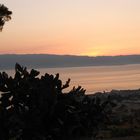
[{"x": 77, "y": 27}]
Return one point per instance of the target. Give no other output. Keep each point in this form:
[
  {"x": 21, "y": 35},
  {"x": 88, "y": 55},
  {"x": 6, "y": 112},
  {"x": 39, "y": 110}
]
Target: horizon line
[{"x": 69, "y": 54}]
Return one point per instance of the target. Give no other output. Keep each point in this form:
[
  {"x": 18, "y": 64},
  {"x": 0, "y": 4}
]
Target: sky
[{"x": 73, "y": 27}]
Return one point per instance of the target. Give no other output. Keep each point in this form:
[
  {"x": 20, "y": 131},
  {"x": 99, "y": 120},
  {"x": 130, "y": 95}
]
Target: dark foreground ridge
[{"x": 46, "y": 60}]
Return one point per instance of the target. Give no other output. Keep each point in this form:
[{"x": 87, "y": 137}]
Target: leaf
[
  {"x": 57, "y": 76},
  {"x": 4, "y": 75},
  {"x": 17, "y": 76},
  {"x": 34, "y": 73},
  {"x": 18, "y": 68},
  {"x": 66, "y": 84}
]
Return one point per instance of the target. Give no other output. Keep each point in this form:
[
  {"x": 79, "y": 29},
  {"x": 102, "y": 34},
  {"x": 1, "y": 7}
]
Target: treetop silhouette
[{"x": 5, "y": 15}]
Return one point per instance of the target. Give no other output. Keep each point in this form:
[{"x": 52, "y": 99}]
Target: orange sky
[{"x": 77, "y": 27}]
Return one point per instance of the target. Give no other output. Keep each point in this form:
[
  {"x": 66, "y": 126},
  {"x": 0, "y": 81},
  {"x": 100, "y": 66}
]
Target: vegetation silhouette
[
  {"x": 5, "y": 15},
  {"x": 34, "y": 107}
]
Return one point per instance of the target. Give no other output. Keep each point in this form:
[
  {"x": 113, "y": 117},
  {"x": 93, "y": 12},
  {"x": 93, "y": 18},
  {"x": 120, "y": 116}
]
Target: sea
[{"x": 97, "y": 78}]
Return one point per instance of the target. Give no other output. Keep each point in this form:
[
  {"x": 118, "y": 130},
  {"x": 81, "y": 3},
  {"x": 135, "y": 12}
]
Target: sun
[{"x": 92, "y": 53}]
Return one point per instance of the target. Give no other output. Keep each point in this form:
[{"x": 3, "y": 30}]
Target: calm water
[{"x": 100, "y": 78}]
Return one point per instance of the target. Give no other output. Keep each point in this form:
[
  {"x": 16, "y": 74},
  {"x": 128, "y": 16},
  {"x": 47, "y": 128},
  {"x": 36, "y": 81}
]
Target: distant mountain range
[{"x": 7, "y": 61}]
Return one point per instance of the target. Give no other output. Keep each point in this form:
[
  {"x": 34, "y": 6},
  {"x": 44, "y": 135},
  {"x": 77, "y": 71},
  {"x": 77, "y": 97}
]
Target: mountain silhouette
[{"x": 7, "y": 61}]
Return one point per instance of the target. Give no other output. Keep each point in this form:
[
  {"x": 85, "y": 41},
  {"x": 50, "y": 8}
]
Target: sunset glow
[{"x": 76, "y": 27}]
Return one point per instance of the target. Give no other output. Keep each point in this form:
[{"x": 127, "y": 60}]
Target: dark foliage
[
  {"x": 5, "y": 15},
  {"x": 35, "y": 108}
]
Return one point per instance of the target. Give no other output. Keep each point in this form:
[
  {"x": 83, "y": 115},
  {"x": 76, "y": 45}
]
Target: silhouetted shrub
[
  {"x": 35, "y": 108},
  {"x": 5, "y": 15}
]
